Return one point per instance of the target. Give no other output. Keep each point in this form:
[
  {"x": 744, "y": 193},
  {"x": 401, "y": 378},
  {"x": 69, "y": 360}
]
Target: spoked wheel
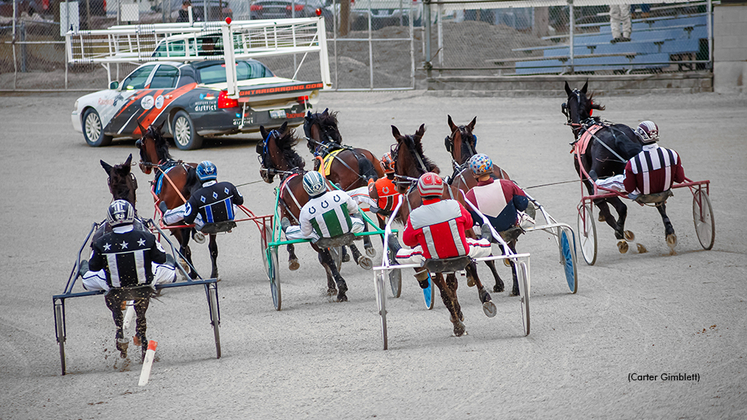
[
  {"x": 705, "y": 227},
  {"x": 395, "y": 278},
  {"x": 429, "y": 293},
  {"x": 523, "y": 274},
  {"x": 273, "y": 270},
  {"x": 587, "y": 233},
  {"x": 265, "y": 233},
  {"x": 381, "y": 303},
  {"x": 214, "y": 316},
  {"x": 60, "y": 330},
  {"x": 567, "y": 246}
]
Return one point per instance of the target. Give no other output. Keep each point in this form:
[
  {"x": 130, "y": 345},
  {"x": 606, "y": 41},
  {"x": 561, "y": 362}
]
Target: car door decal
[{"x": 148, "y": 116}]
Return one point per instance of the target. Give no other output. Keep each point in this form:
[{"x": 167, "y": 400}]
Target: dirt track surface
[{"x": 645, "y": 314}]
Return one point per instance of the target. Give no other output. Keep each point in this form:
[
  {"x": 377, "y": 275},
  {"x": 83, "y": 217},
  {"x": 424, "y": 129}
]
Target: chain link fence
[{"x": 387, "y": 44}]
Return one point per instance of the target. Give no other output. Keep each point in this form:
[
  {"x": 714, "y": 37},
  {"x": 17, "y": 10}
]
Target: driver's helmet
[
  {"x": 313, "y": 184},
  {"x": 480, "y": 164},
  {"x": 648, "y": 132},
  {"x": 430, "y": 184},
  {"x": 120, "y": 212},
  {"x": 206, "y": 171},
  {"x": 387, "y": 163}
]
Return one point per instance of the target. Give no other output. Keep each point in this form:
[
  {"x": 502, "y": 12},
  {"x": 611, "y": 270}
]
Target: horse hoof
[
  {"x": 371, "y": 252},
  {"x": 489, "y": 309},
  {"x": 515, "y": 292},
  {"x": 342, "y": 297},
  {"x": 507, "y": 263},
  {"x": 641, "y": 249},
  {"x": 601, "y": 218},
  {"x": 499, "y": 288},
  {"x": 672, "y": 240},
  {"x": 629, "y": 236},
  {"x": 193, "y": 275},
  {"x": 470, "y": 282},
  {"x": 365, "y": 263},
  {"x": 459, "y": 328},
  {"x": 293, "y": 265},
  {"x": 331, "y": 291},
  {"x": 622, "y": 246},
  {"x": 199, "y": 237}
]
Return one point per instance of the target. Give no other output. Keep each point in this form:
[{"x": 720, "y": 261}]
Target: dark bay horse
[
  {"x": 462, "y": 144},
  {"x": 173, "y": 184},
  {"x": 277, "y": 157},
  {"x": 410, "y": 163},
  {"x": 603, "y": 149},
  {"x": 123, "y": 186},
  {"x": 347, "y": 167}
]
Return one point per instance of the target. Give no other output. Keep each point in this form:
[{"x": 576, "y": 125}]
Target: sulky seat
[{"x": 213, "y": 228}]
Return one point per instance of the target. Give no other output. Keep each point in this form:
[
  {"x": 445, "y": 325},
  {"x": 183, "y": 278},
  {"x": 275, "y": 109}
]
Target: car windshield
[{"x": 245, "y": 70}]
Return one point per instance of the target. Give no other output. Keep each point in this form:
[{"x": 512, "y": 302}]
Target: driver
[
  {"x": 213, "y": 203},
  {"x": 655, "y": 168},
  {"x": 327, "y": 214},
  {"x": 437, "y": 228}
]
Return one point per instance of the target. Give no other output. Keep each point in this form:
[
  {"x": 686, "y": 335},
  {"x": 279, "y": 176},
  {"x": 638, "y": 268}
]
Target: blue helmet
[
  {"x": 313, "y": 183},
  {"x": 120, "y": 212},
  {"x": 207, "y": 171}
]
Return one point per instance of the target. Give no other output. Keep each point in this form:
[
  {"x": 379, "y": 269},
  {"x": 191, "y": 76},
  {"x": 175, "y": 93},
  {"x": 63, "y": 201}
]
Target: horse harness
[
  {"x": 327, "y": 151},
  {"x": 587, "y": 130}
]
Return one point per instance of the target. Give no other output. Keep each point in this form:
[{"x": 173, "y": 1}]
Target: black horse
[{"x": 603, "y": 149}]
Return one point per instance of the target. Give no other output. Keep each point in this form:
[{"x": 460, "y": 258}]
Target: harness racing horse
[
  {"x": 123, "y": 186},
  {"x": 409, "y": 164},
  {"x": 603, "y": 149},
  {"x": 461, "y": 143},
  {"x": 345, "y": 166},
  {"x": 173, "y": 184},
  {"x": 277, "y": 157}
]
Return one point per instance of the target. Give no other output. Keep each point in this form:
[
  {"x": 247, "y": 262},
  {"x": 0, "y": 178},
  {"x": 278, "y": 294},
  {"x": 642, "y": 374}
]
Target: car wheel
[
  {"x": 185, "y": 135},
  {"x": 93, "y": 129}
]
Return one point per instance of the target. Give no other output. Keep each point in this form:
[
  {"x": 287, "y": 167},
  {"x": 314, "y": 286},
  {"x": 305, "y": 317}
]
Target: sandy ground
[{"x": 643, "y": 314}]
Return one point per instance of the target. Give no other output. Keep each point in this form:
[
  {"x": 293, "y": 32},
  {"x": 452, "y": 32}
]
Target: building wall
[{"x": 730, "y": 47}]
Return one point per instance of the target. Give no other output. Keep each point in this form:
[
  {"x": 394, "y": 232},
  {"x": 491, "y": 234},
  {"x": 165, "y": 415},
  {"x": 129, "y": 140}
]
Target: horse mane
[
  {"x": 286, "y": 143},
  {"x": 415, "y": 145},
  {"x": 162, "y": 146},
  {"x": 327, "y": 122}
]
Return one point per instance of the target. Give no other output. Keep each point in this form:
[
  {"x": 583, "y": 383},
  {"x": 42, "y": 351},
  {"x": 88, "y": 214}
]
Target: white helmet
[
  {"x": 120, "y": 212},
  {"x": 313, "y": 183},
  {"x": 648, "y": 132}
]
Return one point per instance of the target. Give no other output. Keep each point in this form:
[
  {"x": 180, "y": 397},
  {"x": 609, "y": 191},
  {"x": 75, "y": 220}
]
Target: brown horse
[
  {"x": 462, "y": 144},
  {"x": 277, "y": 157},
  {"x": 173, "y": 184},
  {"x": 410, "y": 163},
  {"x": 349, "y": 167}
]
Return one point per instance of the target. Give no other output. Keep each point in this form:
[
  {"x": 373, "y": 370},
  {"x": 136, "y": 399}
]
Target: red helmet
[
  {"x": 387, "y": 163},
  {"x": 648, "y": 131},
  {"x": 430, "y": 184}
]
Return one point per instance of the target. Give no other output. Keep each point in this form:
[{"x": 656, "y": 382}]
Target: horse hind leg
[
  {"x": 671, "y": 237},
  {"x": 213, "y": 247},
  {"x": 621, "y": 234},
  {"x": 488, "y": 307},
  {"x": 360, "y": 259},
  {"x": 113, "y": 300},
  {"x": 367, "y": 245},
  {"x": 457, "y": 317},
  {"x": 141, "y": 306},
  {"x": 326, "y": 259},
  {"x": 183, "y": 237},
  {"x": 293, "y": 264}
]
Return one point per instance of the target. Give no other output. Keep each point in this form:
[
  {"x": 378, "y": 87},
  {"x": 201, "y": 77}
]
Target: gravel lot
[{"x": 643, "y": 314}]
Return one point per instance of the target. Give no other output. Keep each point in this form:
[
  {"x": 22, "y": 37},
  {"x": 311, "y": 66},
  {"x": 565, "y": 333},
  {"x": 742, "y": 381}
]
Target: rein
[{"x": 165, "y": 175}]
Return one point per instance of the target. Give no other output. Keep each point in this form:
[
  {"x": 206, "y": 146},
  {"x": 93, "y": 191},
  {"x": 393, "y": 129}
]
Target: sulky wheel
[
  {"x": 587, "y": 233},
  {"x": 705, "y": 227},
  {"x": 429, "y": 293},
  {"x": 523, "y": 274},
  {"x": 273, "y": 271},
  {"x": 214, "y": 316},
  {"x": 381, "y": 304},
  {"x": 60, "y": 330},
  {"x": 395, "y": 277},
  {"x": 568, "y": 258}
]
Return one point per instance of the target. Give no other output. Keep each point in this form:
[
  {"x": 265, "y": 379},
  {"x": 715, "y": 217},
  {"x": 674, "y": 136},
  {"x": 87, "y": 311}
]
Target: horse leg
[
  {"x": 361, "y": 260},
  {"x": 487, "y": 306},
  {"x": 293, "y": 264},
  {"x": 113, "y": 301},
  {"x": 141, "y": 306},
  {"x": 329, "y": 263},
  {"x": 620, "y": 233},
  {"x": 182, "y": 235},
  {"x": 515, "y": 289},
  {"x": 499, "y": 286},
  {"x": 668, "y": 228},
  {"x": 213, "y": 247},
  {"x": 451, "y": 287},
  {"x": 456, "y": 317},
  {"x": 367, "y": 245},
  {"x": 345, "y": 255},
  {"x": 331, "y": 285}
]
